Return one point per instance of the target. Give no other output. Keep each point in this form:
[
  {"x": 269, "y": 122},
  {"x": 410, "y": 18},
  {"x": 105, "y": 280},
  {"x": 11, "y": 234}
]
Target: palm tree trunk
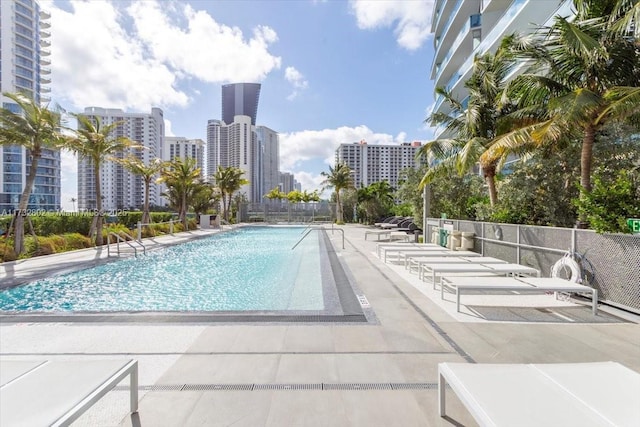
[
  {"x": 490, "y": 178},
  {"x": 146, "y": 217},
  {"x": 338, "y": 207},
  {"x": 183, "y": 210},
  {"x": 18, "y": 225},
  {"x": 586, "y": 157},
  {"x": 99, "y": 239}
]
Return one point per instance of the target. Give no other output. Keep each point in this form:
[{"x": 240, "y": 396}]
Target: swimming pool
[{"x": 251, "y": 269}]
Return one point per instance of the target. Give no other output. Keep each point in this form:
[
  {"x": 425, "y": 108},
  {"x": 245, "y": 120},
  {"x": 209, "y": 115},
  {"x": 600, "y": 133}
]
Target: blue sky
[{"x": 331, "y": 71}]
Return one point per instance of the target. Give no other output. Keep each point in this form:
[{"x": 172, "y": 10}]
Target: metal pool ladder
[{"x": 128, "y": 242}]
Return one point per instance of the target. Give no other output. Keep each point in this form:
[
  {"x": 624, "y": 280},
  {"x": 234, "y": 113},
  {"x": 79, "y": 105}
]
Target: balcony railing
[{"x": 452, "y": 15}]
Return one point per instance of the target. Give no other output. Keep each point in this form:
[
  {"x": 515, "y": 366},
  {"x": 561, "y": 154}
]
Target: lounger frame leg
[
  {"x": 133, "y": 388},
  {"x": 594, "y": 302},
  {"x": 441, "y": 395}
]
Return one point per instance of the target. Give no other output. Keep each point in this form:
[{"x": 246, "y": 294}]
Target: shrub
[
  {"x": 77, "y": 241},
  {"x": 7, "y": 253}
]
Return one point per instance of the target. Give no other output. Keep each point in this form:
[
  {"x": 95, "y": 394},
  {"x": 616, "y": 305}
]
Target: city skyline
[{"x": 339, "y": 73}]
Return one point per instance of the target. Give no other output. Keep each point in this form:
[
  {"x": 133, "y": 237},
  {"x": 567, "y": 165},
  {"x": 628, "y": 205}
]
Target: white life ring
[{"x": 567, "y": 262}]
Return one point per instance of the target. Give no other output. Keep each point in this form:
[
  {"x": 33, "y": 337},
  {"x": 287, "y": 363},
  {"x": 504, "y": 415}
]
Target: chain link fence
[{"x": 610, "y": 262}]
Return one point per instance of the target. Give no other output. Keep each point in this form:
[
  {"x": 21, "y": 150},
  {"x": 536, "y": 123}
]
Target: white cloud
[
  {"x": 136, "y": 57},
  {"x": 299, "y": 147},
  {"x": 411, "y": 20},
  {"x": 297, "y": 80}
]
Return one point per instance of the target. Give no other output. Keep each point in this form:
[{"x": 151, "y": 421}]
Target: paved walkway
[{"x": 378, "y": 374}]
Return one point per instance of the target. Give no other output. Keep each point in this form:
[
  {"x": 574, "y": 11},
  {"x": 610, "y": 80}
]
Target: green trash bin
[{"x": 444, "y": 234}]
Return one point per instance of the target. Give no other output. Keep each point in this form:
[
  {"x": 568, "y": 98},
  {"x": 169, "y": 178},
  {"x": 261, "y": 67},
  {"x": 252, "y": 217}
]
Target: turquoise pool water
[{"x": 248, "y": 269}]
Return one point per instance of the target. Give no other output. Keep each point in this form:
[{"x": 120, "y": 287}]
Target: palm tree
[
  {"x": 275, "y": 194},
  {"x": 180, "y": 176},
  {"x": 228, "y": 180},
  {"x": 73, "y": 200},
  {"x": 375, "y": 200},
  {"x": 583, "y": 74},
  {"x": 473, "y": 126},
  {"x": 36, "y": 128},
  {"x": 338, "y": 178},
  {"x": 95, "y": 142},
  {"x": 137, "y": 166},
  {"x": 204, "y": 197}
]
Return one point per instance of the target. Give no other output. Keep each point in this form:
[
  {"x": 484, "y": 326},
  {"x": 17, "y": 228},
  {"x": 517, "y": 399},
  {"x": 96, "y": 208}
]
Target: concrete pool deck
[{"x": 379, "y": 373}]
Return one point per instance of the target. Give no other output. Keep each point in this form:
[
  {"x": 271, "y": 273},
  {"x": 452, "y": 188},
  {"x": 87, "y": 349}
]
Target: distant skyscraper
[
  {"x": 24, "y": 67},
  {"x": 288, "y": 182},
  {"x": 233, "y": 145},
  {"x": 234, "y": 140},
  {"x": 267, "y": 162},
  {"x": 377, "y": 162},
  {"x": 183, "y": 148},
  {"x": 240, "y": 99},
  {"x": 120, "y": 188}
]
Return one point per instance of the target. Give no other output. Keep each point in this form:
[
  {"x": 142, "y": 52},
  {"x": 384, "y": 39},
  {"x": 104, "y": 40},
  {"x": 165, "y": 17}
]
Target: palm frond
[{"x": 623, "y": 102}]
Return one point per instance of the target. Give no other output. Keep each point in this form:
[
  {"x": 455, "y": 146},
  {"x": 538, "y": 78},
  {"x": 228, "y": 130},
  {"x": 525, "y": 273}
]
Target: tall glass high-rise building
[
  {"x": 465, "y": 28},
  {"x": 240, "y": 99},
  {"x": 24, "y": 67}
]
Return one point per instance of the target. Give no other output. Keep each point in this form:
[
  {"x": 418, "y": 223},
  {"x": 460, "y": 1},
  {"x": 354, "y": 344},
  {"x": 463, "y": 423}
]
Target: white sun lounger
[
  {"x": 417, "y": 262},
  {"x": 398, "y": 253},
  {"x": 385, "y": 246},
  {"x": 405, "y": 256},
  {"x": 519, "y": 284},
  {"x": 439, "y": 270},
  {"x": 377, "y": 233},
  {"x": 564, "y": 394},
  {"x": 55, "y": 393}
]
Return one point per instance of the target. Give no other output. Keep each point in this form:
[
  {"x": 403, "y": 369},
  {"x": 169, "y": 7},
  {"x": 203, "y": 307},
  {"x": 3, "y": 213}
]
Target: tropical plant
[
  {"x": 375, "y": 200},
  {"x": 35, "y": 128},
  {"x": 583, "y": 73},
  {"x": 181, "y": 177},
  {"x": 137, "y": 166},
  {"x": 339, "y": 178},
  {"x": 205, "y": 197},
  {"x": 310, "y": 197},
  {"x": 294, "y": 196},
  {"x": 275, "y": 194},
  {"x": 612, "y": 201},
  {"x": 96, "y": 143},
  {"x": 472, "y": 124},
  {"x": 228, "y": 180}
]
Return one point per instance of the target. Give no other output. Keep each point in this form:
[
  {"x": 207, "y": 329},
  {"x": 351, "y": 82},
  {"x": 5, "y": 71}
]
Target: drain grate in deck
[
  {"x": 287, "y": 387},
  {"x": 358, "y": 386},
  {"x": 284, "y": 387}
]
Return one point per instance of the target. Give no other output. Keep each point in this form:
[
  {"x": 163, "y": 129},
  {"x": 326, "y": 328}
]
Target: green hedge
[{"x": 49, "y": 223}]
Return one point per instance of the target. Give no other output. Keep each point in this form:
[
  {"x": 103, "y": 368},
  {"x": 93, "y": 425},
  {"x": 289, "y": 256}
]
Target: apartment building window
[{"x": 475, "y": 20}]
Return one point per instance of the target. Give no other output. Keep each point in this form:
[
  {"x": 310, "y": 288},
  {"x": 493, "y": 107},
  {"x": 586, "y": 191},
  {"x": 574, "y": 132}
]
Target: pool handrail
[
  {"x": 319, "y": 228},
  {"x": 119, "y": 239}
]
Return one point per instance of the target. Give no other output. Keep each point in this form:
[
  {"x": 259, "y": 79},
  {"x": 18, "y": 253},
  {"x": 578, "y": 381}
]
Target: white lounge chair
[
  {"x": 440, "y": 270},
  {"x": 516, "y": 284},
  {"x": 404, "y": 256},
  {"x": 377, "y": 233},
  {"x": 564, "y": 394},
  {"x": 412, "y": 262},
  {"x": 397, "y": 251},
  {"x": 55, "y": 393}
]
